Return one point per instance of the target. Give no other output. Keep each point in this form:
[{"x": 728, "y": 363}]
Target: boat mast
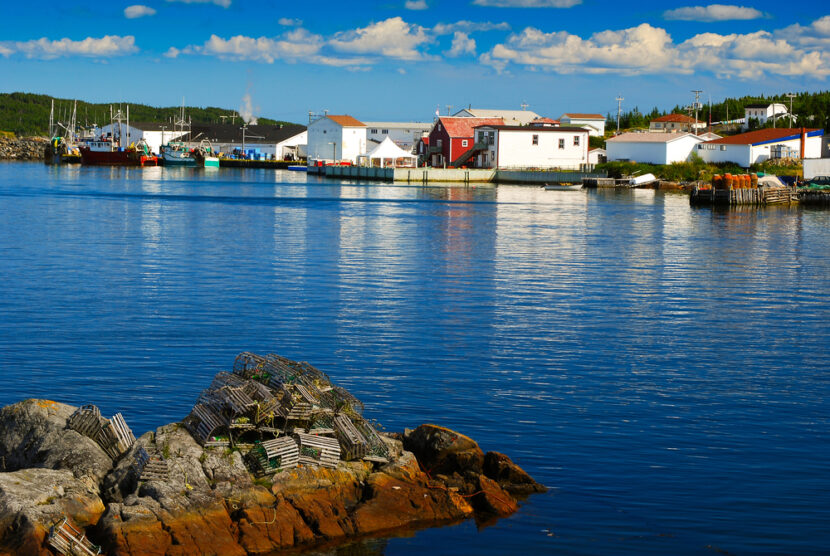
[{"x": 52, "y": 120}]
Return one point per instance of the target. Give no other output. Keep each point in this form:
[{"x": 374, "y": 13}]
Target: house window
[
  {"x": 723, "y": 147},
  {"x": 464, "y": 143},
  {"x": 561, "y": 143},
  {"x": 373, "y": 131},
  {"x": 439, "y": 143},
  {"x": 439, "y": 127},
  {"x": 576, "y": 140},
  {"x": 535, "y": 139},
  {"x": 385, "y": 132},
  {"x": 656, "y": 126}
]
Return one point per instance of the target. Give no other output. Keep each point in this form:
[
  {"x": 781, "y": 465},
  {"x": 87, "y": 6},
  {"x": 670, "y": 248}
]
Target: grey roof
[
  {"x": 659, "y": 137},
  {"x": 232, "y": 133}
]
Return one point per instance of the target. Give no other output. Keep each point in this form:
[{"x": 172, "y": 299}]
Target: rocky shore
[
  {"x": 23, "y": 148},
  {"x": 209, "y": 502}
]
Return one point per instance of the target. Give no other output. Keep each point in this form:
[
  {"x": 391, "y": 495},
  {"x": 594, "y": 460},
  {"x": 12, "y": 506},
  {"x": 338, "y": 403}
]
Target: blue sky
[{"x": 401, "y": 59}]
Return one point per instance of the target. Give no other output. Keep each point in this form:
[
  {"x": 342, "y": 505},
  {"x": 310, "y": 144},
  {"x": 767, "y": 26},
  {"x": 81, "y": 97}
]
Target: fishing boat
[
  {"x": 176, "y": 154},
  {"x": 205, "y": 155},
  {"x": 62, "y": 146},
  {"x": 108, "y": 149},
  {"x": 298, "y": 168}
]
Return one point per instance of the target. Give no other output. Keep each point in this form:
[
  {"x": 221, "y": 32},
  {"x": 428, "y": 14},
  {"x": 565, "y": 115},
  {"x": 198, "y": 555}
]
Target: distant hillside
[
  {"x": 28, "y": 114},
  {"x": 811, "y": 109}
]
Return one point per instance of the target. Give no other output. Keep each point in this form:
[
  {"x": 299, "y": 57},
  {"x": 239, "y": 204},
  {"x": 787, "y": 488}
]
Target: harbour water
[{"x": 664, "y": 369}]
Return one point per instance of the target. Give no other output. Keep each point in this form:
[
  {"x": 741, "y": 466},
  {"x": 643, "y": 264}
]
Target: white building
[
  {"x": 676, "y": 123},
  {"x": 597, "y": 156},
  {"x": 762, "y": 144},
  {"x": 510, "y": 117},
  {"x": 652, "y": 148},
  {"x": 404, "y": 134},
  {"x": 764, "y": 112},
  {"x": 336, "y": 138},
  {"x": 154, "y": 134},
  {"x": 504, "y": 146},
  {"x": 594, "y": 123}
]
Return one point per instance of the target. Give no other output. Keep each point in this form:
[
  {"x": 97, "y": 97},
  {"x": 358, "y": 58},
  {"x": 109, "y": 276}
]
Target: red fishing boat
[{"x": 107, "y": 149}]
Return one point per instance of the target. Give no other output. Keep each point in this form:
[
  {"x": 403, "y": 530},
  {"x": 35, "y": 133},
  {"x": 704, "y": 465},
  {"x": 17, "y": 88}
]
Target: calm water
[{"x": 663, "y": 369}]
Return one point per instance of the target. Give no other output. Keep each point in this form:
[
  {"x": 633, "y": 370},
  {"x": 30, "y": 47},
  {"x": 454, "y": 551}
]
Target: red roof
[
  {"x": 761, "y": 136},
  {"x": 463, "y": 127},
  {"x": 678, "y": 118},
  {"x": 538, "y": 121},
  {"x": 346, "y": 121},
  {"x": 577, "y": 116}
]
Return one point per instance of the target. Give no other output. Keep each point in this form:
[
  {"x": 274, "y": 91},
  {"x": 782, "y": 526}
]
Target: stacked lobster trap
[{"x": 283, "y": 413}]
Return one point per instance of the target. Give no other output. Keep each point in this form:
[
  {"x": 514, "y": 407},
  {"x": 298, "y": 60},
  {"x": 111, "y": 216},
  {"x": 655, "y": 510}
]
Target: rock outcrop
[
  {"x": 22, "y": 148},
  {"x": 208, "y": 502}
]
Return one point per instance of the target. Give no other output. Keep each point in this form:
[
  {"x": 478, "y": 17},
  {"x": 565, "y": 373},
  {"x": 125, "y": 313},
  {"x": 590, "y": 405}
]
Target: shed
[{"x": 652, "y": 148}]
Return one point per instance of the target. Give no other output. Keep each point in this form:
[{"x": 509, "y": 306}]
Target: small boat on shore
[
  {"x": 298, "y": 168},
  {"x": 562, "y": 187}
]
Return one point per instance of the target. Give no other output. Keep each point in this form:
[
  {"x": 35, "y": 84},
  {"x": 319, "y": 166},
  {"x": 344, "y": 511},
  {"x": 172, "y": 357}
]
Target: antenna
[
  {"x": 524, "y": 105},
  {"x": 449, "y": 107},
  {"x": 619, "y": 110},
  {"x": 791, "y": 95},
  {"x": 696, "y": 106}
]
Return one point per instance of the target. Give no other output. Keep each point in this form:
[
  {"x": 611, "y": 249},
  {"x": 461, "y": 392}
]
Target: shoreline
[{"x": 168, "y": 493}]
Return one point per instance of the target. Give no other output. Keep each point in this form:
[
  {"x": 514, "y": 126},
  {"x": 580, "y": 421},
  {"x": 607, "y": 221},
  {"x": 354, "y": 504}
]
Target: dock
[
  {"x": 761, "y": 196},
  {"x": 453, "y": 175},
  {"x": 244, "y": 163}
]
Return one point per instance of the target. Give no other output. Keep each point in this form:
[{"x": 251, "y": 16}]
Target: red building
[{"x": 452, "y": 137}]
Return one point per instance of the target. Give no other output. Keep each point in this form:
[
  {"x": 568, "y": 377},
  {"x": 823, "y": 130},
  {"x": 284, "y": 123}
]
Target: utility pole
[
  {"x": 697, "y": 105},
  {"x": 791, "y": 95},
  {"x": 619, "y": 111}
]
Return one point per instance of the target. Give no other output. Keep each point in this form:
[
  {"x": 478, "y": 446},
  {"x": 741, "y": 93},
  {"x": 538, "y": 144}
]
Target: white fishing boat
[{"x": 205, "y": 155}]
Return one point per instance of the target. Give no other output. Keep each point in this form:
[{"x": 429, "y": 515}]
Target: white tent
[{"x": 388, "y": 150}]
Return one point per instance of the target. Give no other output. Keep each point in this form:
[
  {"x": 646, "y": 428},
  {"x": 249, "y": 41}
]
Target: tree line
[
  {"x": 810, "y": 109},
  {"x": 28, "y": 113}
]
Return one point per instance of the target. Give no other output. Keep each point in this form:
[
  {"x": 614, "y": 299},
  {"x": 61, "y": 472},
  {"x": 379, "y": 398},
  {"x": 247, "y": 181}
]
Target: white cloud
[
  {"x": 650, "y": 50},
  {"x": 816, "y": 34},
  {"x": 295, "y": 46},
  {"x": 223, "y": 3},
  {"x": 461, "y": 44},
  {"x": 713, "y": 12},
  {"x": 45, "y": 49},
  {"x": 5, "y": 51},
  {"x": 288, "y": 22},
  {"x": 132, "y": 12},
  {"x": 172, "y": 52},
  {"x": 416, "y": 5},
  {"x": 469, "y": 27},
  {"x": 392, "y": 38},
  {"x": 527, "y": 3}
]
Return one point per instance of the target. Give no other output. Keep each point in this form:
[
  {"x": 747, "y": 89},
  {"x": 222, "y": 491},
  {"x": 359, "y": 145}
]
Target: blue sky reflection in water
[{"x": 663, "y": 368}]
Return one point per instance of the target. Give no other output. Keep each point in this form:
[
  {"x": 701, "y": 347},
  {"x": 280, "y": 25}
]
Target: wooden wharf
[
  {"x": 760, "y": 196},
  {"x": 814, "y": 198}
]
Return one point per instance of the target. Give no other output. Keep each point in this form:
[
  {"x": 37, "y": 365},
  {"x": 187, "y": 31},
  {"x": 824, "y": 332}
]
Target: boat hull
[
  {"x": 116, "y": 158},
  {"x": 169, "y": 160}
]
